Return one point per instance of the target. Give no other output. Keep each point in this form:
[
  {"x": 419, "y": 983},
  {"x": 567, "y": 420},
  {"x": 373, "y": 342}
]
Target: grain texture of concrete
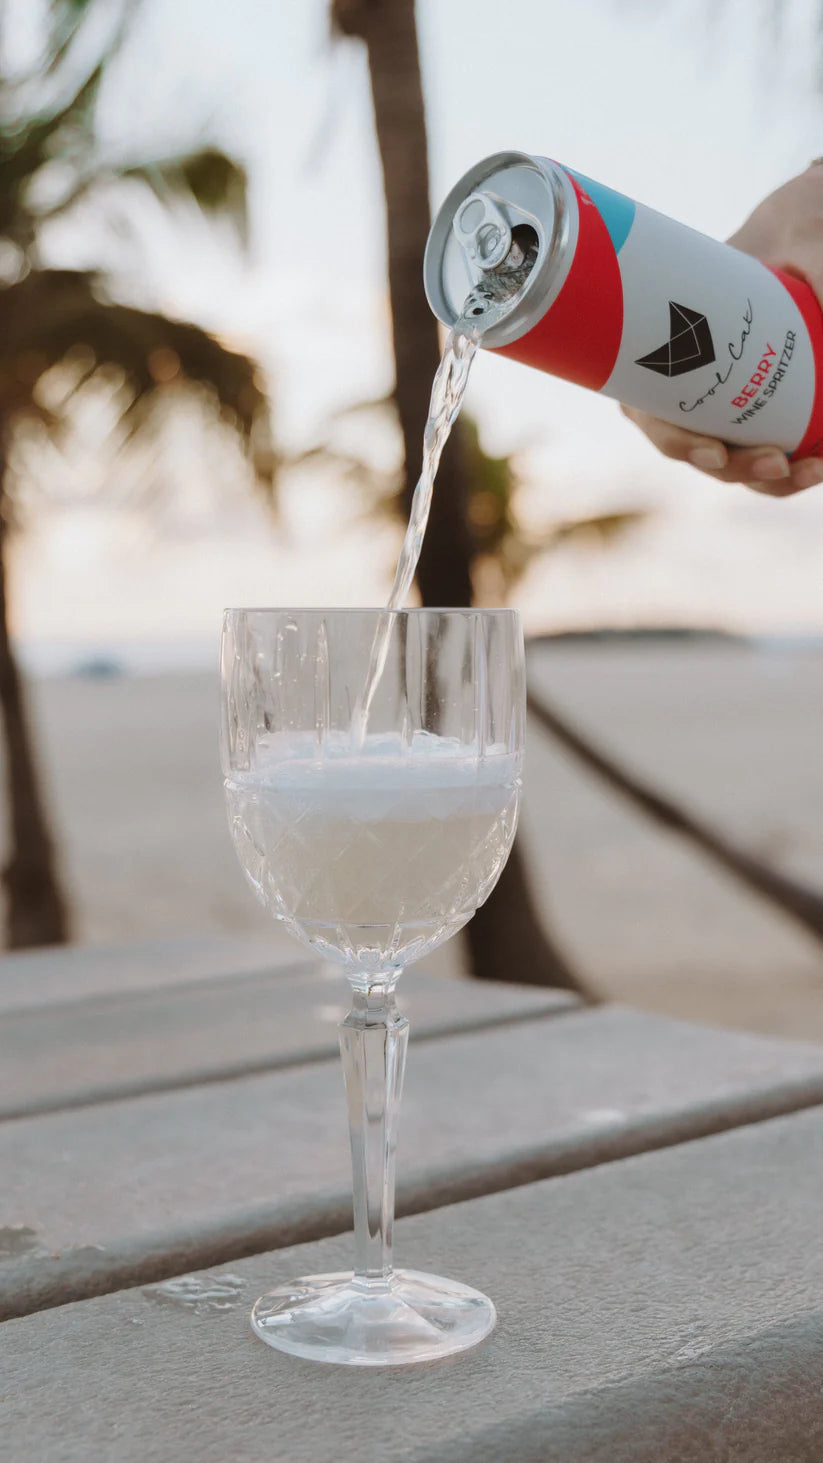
[
  {"x": 667, "y": 1308},
  {"x": 129, "y": 1191}
]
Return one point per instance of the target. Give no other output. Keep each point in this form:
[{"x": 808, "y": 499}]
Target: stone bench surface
[
  {"x": 667, "y": 1308},
  {"x": 65, "y": 1054},
  {"x": 38, "y": 977},
  {"x": 126, "y": 1192}
]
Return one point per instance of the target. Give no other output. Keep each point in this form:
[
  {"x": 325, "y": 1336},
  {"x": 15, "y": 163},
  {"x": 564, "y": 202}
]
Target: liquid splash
[
  {"x": 17, "y": 1239},
  {"x": 199, "y": 1293}
]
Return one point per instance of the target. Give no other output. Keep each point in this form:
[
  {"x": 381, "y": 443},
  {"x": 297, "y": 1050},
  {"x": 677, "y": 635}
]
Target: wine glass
[{"x": 373, "y": 845}]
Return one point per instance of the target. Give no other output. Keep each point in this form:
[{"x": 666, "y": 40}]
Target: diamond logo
[{"x": 689, "y": 345}]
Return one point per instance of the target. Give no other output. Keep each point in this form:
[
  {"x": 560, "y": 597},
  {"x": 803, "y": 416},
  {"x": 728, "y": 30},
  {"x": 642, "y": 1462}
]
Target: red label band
[
  {"x": 579, "y": 336},
  {"x": 807, "y": 303}
]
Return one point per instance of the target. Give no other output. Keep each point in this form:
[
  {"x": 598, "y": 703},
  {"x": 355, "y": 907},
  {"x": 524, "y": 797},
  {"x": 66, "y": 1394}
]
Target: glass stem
[{"x": 373, "y": 1041}]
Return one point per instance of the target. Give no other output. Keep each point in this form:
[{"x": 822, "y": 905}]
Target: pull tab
[{"x": 482, "y": 231}]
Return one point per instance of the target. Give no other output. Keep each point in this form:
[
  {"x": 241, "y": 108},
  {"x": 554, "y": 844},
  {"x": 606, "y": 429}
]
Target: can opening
[
  {"x": 523, "y": 252},
  {"x": 502, "y": 234},
  {"x": 498, "y": 288}
]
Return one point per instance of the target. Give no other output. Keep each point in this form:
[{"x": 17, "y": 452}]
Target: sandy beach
[{"x": 133, "y": 777}]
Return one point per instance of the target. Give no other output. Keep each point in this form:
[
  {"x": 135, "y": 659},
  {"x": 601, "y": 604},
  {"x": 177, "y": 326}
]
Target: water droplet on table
[
  {"x": 198, "y": 1293},
  {"x": 17, "y": 1239}
]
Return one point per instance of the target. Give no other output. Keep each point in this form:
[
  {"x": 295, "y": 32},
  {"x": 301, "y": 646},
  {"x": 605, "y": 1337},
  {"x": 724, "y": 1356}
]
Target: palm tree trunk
[
  {"x": 389, "y": 31},
  {"x": 795, "y": 899},
  {"x": 506, "y": 939},
  {"x": 36, "y": 911}
]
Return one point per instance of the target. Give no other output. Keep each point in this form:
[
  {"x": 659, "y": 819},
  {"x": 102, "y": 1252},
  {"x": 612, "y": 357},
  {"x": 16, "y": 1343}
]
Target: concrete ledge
[
  {"x": 132, "y": 1191},
  {"x": 750, "y": 1401},
  {"x": 70, "y": 1054},
  {"x": 663, "y": 1309},
  {"x": 70, "y": 972}
]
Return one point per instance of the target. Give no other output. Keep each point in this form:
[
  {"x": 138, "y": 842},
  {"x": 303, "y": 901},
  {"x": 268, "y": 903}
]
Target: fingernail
[
  {"x": 708, "y": 459},
  {"x": 809, "y": 474},
  {"x": 770, "y": 467}
]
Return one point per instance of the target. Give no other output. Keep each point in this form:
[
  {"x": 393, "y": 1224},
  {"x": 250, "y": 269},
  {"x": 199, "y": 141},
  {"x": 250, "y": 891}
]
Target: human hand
[{"x": 786, "y": 232}]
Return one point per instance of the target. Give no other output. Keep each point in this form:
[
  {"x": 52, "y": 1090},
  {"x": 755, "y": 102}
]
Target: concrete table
[
  {"x": 666, "y": 1308},
  {"x": 100, "y": 1050},
  {"x": 593, "y": 1169},
  {"x": 126, "y": 1191},
  {"x": 93, "y": 1048}
]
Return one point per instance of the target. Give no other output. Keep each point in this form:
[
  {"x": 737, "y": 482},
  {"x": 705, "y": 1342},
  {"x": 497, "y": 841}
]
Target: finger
[
  {"x": 677, "y": 443},
  {"x": 766, "y": 469},
  {"x": 763, "y": 464},
  {"x": 766, "y": 465},
  {"x": 803, "y": 475}
]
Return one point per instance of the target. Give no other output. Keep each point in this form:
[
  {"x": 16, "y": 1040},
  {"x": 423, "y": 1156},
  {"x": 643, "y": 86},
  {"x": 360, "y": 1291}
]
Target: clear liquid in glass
[{"x": 374, "y": 857}]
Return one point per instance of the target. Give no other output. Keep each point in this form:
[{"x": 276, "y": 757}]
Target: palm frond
[
  {"x": 380, "y": 405},
  {"x": 217, "y": 183},
  {"x": 52, "y": 315},
  {"x": 66, "y": 16},
  {"x": 603, "y": 528},
  {"x": 50, "y": 113},
  {"x": 60, "y": 88}
]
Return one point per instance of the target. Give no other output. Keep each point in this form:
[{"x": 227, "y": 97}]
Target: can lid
[{"x": 514, "y": 189}]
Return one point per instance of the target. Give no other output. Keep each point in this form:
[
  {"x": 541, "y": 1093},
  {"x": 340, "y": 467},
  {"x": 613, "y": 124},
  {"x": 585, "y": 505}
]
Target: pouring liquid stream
[{"x": 487, "y": 302}]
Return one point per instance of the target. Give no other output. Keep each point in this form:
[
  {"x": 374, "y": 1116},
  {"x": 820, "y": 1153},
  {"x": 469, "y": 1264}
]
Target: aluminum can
[{"x": 628, "y": 302}]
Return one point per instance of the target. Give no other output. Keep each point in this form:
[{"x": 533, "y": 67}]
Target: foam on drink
[{"x": 374, "y": 855}]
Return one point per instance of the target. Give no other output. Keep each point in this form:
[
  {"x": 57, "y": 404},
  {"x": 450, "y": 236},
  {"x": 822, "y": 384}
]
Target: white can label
[{"x": 711, "y": 339}]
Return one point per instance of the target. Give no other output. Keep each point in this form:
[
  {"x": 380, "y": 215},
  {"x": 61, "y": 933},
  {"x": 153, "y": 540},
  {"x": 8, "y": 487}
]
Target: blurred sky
[{"x": 695, "y": 107}]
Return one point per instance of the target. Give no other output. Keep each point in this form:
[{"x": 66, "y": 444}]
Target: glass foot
[{"x": 411, "y": 1317}]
